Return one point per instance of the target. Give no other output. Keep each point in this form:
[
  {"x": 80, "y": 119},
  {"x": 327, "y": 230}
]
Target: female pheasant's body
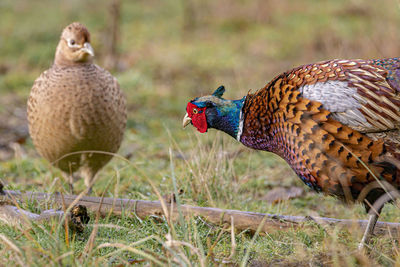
[
  {"x": 79, "y": 108},
  {"x": 336, "y": 123}
]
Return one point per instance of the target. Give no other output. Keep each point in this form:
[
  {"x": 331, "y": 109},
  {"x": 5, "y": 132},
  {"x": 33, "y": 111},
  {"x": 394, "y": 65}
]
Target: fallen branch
[
  {"x": 13, "y": 215},
  {"x": 243, "y": 219}
]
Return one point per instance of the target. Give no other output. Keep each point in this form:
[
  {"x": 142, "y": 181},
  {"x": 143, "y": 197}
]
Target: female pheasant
[
  {"x": 336, "y": 123},
  {"x": 76, "y": 106}
]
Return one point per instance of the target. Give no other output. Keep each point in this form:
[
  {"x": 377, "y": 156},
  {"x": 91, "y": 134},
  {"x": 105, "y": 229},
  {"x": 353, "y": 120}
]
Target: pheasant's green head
[{"x": 213, "y": 111}]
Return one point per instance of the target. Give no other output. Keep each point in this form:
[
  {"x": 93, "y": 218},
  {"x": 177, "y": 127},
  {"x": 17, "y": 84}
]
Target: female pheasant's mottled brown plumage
[
  {"x": 337, "y": 123},
  {"x": 76, "y": 106}
]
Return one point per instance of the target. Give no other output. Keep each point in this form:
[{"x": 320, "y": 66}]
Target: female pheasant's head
[
  {"x": 74, "y": 46},
  {"x": 213, "y": 111}
]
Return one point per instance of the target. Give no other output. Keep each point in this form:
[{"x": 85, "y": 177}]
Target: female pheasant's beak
[
  {"x": 186, "y": 120},
  {"x": 88, "y": 49}
]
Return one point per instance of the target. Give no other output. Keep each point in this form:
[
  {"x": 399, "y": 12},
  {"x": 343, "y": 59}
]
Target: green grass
[{"x": 241, "y": 44}]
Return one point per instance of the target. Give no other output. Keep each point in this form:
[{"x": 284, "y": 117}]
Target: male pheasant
[
  {"x": 336, "y": 123},
  {"x": 76, "y": 106}
]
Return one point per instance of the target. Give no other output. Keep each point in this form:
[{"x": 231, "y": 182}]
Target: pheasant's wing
[{"x": 363, "y": 95}]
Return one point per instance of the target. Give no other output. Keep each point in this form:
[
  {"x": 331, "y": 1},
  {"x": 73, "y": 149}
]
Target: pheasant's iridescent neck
[{"x": 227, "y": 117}]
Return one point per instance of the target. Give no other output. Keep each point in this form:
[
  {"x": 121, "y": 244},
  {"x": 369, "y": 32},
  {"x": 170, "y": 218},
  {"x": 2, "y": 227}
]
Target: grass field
[{"x": 170, "y": 53}]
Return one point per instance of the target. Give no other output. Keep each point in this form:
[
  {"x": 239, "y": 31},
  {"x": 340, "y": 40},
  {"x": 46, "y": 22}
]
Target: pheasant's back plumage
[
  {"x": 335, "y": 122},
  {"x": 76, "y": 108}
]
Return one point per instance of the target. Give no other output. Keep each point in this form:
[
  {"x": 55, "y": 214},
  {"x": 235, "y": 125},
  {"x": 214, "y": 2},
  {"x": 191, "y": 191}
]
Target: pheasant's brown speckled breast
[
  {"x": 74, "y": 109},
  {"x": 332, "y": 150}
]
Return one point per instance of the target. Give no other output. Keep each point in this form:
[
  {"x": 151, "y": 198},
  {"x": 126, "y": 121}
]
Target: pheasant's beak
[
  {"x": 87, "y": 48},
  {"x": 186, "y": 120}
]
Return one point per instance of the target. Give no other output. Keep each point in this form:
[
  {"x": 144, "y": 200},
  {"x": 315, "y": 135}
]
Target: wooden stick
[{"x": 243, "y": 219}]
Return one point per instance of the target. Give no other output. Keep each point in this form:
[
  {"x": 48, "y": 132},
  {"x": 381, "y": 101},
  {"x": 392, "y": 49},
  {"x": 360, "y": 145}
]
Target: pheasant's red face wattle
[{"x": 198, "y": 116}]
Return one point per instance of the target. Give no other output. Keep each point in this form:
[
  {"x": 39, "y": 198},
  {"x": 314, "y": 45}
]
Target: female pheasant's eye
[
  {"x": 71, "y": 42},
  {"x": 195, "y": 111}
]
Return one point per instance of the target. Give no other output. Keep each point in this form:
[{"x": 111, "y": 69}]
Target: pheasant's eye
[
  {"x": 195, "y": 111},
  {"x": 71, "y": 42}
]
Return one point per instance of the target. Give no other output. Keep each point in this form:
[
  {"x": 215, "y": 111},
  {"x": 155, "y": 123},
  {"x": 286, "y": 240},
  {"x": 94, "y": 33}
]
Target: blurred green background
[{"x": 166, "y": 52}]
